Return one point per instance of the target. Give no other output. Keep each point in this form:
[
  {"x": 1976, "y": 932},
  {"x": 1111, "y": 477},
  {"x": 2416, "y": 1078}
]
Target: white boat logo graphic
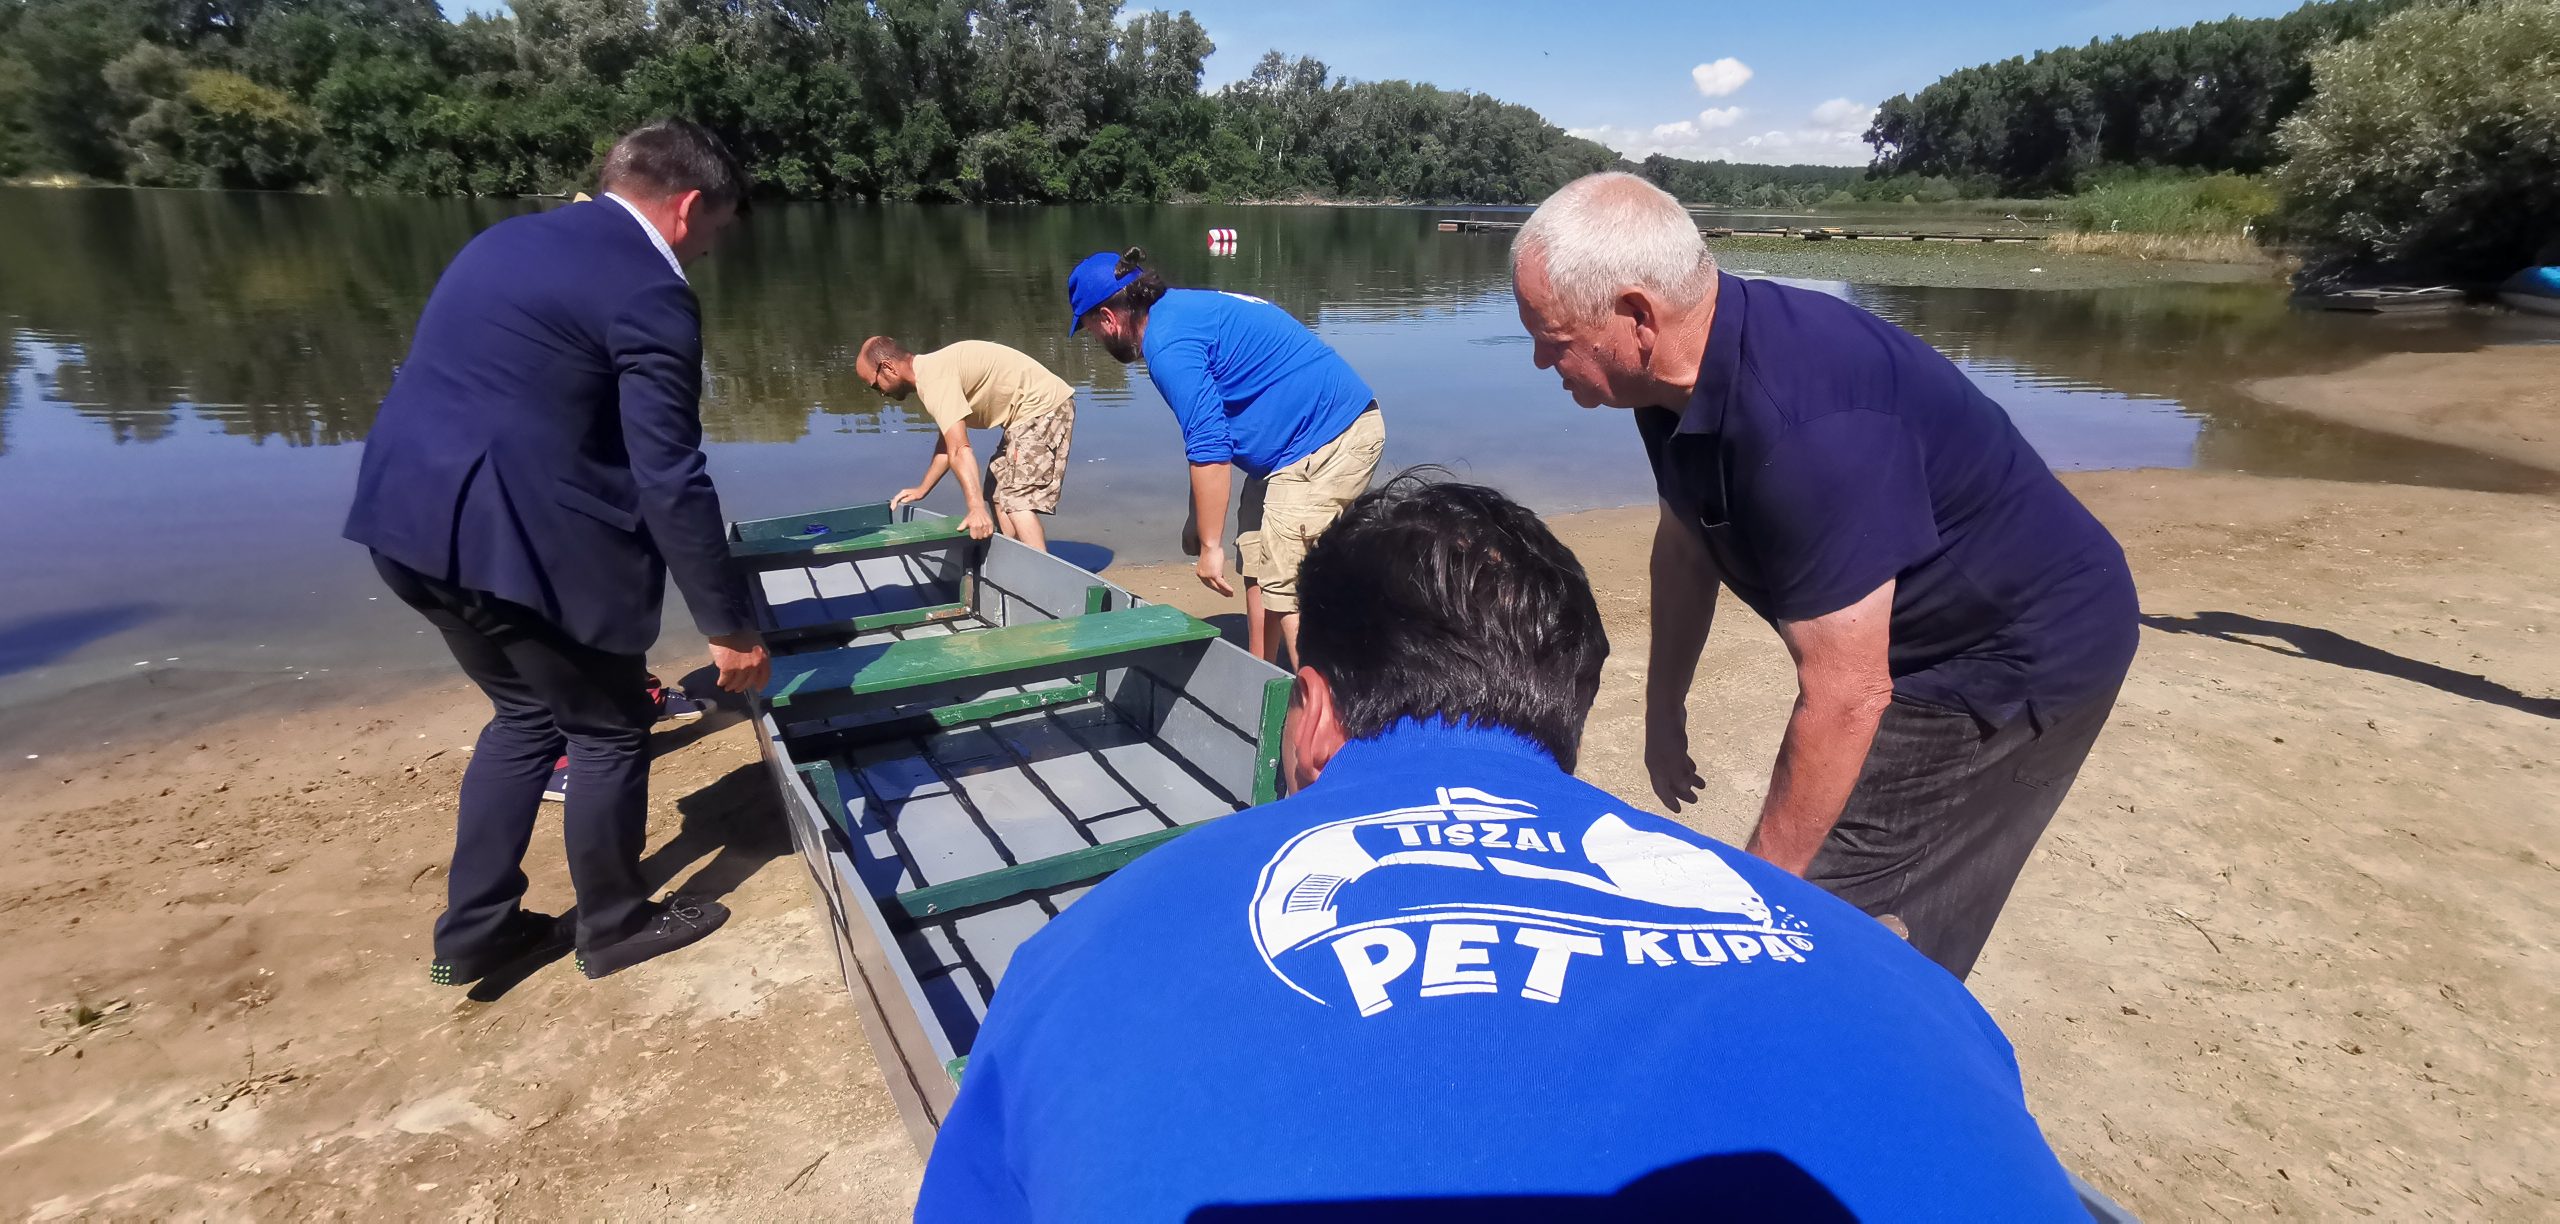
[{"x": 1295, "y": 903}]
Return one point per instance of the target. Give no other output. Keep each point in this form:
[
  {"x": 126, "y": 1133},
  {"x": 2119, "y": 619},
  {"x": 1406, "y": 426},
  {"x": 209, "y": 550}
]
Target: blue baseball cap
[{"x": 1092, "y": 284}]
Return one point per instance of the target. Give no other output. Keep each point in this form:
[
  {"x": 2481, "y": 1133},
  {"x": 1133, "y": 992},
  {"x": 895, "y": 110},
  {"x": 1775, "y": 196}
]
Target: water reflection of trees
[
  {"x": 2198, "y": 345},
  {"x": 270, "y": 316},
  {"x": 8, "y": 376},
  {"x": 283, "y": 317}
]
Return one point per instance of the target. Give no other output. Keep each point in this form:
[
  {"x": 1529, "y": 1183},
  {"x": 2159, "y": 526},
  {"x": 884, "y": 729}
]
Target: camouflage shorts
[{"x": 1030, "y": 467}]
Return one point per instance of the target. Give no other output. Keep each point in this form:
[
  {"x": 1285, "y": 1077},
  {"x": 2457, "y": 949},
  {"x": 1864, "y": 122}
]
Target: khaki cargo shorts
[
  {"x": 1030, "y": 467},
  {"x": 1282, "y": 514}
]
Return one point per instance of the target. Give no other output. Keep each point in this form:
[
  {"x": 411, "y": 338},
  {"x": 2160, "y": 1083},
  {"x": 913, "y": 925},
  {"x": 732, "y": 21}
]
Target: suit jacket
[{"x": 543, "y": 441}]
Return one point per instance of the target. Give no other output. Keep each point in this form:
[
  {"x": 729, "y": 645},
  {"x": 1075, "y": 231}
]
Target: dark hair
[
  {"x": 1437, "y": 600},
  {"x": 671, "y": 157},
  {"x": 1138, "y": 294}
]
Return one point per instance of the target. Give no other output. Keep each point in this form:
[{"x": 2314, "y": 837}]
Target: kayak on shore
[{"x": 2535, "y": 289}]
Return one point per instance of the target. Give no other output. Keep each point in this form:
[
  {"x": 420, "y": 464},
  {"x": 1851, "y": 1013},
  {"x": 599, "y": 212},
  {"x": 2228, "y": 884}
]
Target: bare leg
[
  {"x": 1257, "y": 633},
  {"x": 1024, "y": 525},
  {"x": 1288, "y": 632}
]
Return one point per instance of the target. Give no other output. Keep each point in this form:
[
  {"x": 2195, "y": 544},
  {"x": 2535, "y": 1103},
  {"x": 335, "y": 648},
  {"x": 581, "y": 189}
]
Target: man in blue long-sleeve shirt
[{"x": 1252, "y": 388}]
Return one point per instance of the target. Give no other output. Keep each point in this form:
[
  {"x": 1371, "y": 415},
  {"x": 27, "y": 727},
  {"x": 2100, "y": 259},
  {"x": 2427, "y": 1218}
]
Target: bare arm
[
  {"x": 1843, "y": 684},
  {"x": 1684, "y": 606},
  {"x": 963, "y": 462},
  {"x": 1210, "y": 483},
  {"x": 933, "y": 470}
]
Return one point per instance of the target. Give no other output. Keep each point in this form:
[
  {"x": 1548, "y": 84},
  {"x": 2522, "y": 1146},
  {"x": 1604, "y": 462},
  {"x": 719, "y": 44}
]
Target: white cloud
[
  {"x": 1690, "y": 131},
  {"x": 1682, "y": 139},
  {"x": 1842, "y": 113},
  {"x": 1829, "y": 136},
  {"x": 1722, "y": 77}
]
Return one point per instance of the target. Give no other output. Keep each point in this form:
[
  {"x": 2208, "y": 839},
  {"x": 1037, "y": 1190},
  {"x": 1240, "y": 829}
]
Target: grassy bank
[
  {"x": 2212, "y": 218},
  {"x": 2127, "y": 213},
  {"x": 2193, "y": 248}
]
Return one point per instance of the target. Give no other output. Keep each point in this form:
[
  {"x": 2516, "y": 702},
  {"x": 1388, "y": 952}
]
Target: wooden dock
[{"x": 1461, "y": 225}]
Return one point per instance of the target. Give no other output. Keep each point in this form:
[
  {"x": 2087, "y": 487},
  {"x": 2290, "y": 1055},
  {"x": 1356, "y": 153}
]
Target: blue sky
[{"x": 1711, "y": 78}]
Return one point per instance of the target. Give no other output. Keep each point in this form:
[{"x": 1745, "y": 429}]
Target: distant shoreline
[
  {"x": 68, "y": 182},
  {"x": 2129, "y": 247}
]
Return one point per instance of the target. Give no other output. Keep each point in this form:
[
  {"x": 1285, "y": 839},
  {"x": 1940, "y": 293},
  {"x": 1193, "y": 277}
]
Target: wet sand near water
[
  {"x": 2287, "y": 949},
  {"x": 2505, "y": 401}
]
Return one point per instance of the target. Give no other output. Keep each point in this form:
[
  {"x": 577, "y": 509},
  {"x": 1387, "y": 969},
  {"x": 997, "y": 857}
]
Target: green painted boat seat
[
  {"x": 1038, "y": 876},
  {"x": 825, "y": 544},
  {"x": 826, "y": 683},
  {"x": 870, "y": 623}
]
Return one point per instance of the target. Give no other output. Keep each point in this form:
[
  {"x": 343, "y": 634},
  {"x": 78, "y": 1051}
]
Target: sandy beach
[
  {"x": 2501, "y": 400},
  {"x": 2287, "y": 950}
]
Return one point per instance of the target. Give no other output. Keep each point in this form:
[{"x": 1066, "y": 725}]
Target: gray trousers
[{"x": 1944, "y": 817}]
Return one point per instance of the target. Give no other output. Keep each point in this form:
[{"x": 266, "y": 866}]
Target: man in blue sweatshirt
[
  {"x": 1444, "y": 979},
  {"x": 1252, "y": 388}
]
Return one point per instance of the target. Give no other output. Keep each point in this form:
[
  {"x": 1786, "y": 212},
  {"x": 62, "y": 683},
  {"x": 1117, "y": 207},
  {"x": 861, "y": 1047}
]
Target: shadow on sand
[{"x": 2337, "y": 649}]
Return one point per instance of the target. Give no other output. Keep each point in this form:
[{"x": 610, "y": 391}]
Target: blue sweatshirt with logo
[
  {"x": 1249, "y": 384},
  {"x": 1449, "y": 979}
]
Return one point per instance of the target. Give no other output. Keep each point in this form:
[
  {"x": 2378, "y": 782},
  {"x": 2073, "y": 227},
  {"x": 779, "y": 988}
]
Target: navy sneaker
[
  {"x": 680, "y": 920},
  {"x": 675, "y": 705},
  {"x": 526, "y": 935},
  {"x": 557, "y": 789}
]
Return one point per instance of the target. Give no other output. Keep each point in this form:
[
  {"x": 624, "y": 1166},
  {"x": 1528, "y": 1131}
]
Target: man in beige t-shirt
[{"x": 977, "y": 384}]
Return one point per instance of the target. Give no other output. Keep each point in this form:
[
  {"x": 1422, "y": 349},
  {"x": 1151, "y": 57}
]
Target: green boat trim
[
  {"x": 915, "y": 535},
  {"x": 1040, "y": 875},
  {"x": 912, "y": 663}
]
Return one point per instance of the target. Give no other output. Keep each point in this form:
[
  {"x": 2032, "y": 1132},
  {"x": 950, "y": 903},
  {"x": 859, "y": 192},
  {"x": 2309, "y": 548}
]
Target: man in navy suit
[{"x": 535, "y": 473}]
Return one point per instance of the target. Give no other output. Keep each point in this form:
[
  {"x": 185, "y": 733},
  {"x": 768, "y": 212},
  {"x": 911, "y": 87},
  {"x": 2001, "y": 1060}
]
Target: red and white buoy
[{"x": 1222, "y": 242}]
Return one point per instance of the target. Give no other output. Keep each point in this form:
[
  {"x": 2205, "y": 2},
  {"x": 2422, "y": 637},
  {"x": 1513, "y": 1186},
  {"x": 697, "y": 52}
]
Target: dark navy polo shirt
[{"x": 1826, "y": 450}]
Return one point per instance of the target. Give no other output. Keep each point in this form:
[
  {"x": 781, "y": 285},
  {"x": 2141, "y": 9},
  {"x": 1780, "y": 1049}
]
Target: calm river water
[{"x": 185, "y": 379}]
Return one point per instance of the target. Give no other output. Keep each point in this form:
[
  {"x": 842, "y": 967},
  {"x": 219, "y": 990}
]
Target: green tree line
[
  {"x": 2205, "y": 97},
  {"x": 1744, "y": 185},
  {"x": 2412, "y": 139},
  {"x": 1009, "y": 100}
]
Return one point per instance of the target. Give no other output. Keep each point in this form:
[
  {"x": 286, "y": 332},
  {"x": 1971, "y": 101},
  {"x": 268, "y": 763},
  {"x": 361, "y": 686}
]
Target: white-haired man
[{"x": 1959, "y": 623}]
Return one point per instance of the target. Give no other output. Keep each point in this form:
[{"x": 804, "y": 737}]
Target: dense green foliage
[
  {"x": 1746, "y": 186},
  {"x": 2424, "y": 134},
  {"x": 2434, "y": 142},
  {"x": 2166, "y": 202},
  {"x": 1037, "y": 100},
  {"x": 2204, "y": 97}
]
